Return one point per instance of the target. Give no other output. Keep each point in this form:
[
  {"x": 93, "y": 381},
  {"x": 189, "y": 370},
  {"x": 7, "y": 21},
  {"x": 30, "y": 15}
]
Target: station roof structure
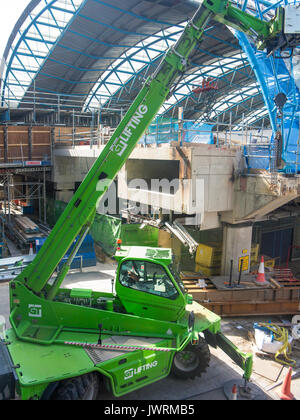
[{"x": 93, "y": 56}]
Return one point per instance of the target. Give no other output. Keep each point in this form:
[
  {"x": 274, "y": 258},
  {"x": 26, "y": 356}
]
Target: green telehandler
[{"x": 63, "y": 342}]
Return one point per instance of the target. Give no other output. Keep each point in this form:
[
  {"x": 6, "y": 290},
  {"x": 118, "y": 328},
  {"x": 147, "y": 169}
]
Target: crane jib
[{"x": 82, "y": 208}]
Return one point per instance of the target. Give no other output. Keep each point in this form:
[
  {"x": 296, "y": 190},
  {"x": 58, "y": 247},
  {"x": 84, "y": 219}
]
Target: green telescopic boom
[{"x": 80, "y": 212}]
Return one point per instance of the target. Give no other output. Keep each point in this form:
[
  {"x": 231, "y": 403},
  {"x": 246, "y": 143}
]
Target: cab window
[{"x": 147, "y": 277}]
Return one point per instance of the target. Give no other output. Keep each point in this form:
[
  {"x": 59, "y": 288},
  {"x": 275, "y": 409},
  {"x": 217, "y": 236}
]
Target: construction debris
[
  {"x": 275, "y": 340},
  {"x": 26, "y": 225},
  {"x": 26, "y": 231},
  {"x": 11, "y": 267}
]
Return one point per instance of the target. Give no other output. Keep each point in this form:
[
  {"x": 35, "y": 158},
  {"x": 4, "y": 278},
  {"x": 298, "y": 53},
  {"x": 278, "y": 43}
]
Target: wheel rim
[{"x": 186, "y": 361}]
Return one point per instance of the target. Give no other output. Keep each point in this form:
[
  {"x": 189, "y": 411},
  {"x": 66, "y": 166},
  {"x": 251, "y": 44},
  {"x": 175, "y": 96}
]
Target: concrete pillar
[{"x": 237, "y": 240}]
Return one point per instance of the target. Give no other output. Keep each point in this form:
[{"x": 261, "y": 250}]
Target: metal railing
[
  {"x": 221, "y": 134},
  {"x": 35, "y": 100},
  {"x": 167, "y": 132}
]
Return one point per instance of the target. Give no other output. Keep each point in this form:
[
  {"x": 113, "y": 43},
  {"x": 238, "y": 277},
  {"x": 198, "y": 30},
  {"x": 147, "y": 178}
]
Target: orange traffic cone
[
  {"x": 261, "y": 272},
  {"x": 31, "y": 249},
  {"x": 233, "y": 396},
  {"x": 285, "y": 393}
]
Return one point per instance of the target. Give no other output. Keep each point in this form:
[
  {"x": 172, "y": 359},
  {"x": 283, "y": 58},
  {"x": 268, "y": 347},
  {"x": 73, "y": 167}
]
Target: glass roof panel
[
  {"x": 49, "y": 18},
  {"x": 33, "y": 42}
]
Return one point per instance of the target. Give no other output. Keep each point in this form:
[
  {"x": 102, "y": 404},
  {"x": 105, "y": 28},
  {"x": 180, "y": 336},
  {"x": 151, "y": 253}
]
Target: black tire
[
  {"x": 192, "y": 361},
  {"x": 85, "y": 387}
]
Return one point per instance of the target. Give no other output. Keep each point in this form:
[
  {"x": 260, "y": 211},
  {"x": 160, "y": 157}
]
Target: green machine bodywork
[
  {"x": 145, "y": 323},
  {"x": 130, "y": 337}
]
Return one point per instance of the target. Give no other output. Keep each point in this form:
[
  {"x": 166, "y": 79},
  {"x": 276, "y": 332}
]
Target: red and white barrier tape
[{"x": 114, "y": 347}]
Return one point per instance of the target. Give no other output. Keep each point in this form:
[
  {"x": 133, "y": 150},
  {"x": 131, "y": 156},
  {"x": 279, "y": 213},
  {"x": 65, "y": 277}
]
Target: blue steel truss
[
  {"x": 32, "y": 39},
  {"x": 114, "y": 80},
  {"x": 277, "y": 74}
]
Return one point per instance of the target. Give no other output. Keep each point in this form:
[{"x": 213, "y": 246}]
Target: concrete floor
[{"x": 221, "y": 370}]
